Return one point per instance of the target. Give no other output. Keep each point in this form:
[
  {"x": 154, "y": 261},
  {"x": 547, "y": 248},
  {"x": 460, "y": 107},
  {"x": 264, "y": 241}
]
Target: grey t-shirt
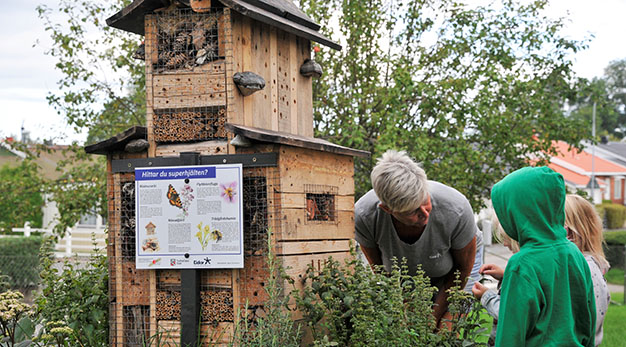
[{"x": 450, "y": 226}]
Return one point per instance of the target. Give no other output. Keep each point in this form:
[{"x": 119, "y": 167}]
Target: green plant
[
  {"x": 22, "y": 201},
  {"x": 350, "y": 305},
  {"x": 19, "y": 259},
  {"x": 78, "y": 298},
  {"x": 275, "y": 328},
  {"x": 12, "y": 311},
  {"x": 615, "y": 215}
]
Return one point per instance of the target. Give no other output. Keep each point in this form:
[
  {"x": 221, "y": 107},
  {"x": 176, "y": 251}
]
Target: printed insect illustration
[
  {"x": 217, "y": 235},
  {"x": 173, "y": 197},
  {"x": 205, "y": 235}
]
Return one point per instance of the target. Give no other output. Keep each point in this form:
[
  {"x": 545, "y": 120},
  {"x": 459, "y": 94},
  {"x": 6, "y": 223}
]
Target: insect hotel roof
[{"x": 279, "y": 13}]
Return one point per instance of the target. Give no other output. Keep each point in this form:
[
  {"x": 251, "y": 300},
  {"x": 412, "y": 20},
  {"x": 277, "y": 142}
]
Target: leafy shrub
[
  {"x": 615, "y": 237},
  {"x": 615, "y": 215},
  {"x": 74, "y": 302},
  {"x": 350, "y": 305},
  {"x": 602, "y": 214},
  {"x": 19, "y": 261},
  {"x": 22, "y": 199}
]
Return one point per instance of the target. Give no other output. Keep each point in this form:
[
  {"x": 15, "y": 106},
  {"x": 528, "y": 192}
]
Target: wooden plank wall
[
  {"x": 285, "y": 104},
  {"x": 299, "y": 167}
]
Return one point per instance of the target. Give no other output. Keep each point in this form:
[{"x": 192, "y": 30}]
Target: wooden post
[{"x": 190, "y": 286}]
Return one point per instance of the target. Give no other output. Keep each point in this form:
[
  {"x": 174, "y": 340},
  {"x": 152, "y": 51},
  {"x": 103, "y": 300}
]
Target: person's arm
[
  {"x": 488, "y": 298},
  {"x": 463, "y": 261},
  {"x": 520, "y": 306},
  {"x": 373, "y": 256}
]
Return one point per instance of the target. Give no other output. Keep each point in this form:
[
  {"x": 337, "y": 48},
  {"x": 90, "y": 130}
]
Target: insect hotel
[{"x": 227, "y": 155}]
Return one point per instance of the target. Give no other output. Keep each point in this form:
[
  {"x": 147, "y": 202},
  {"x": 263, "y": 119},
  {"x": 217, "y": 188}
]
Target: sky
[{"x": 27, "y": 75}]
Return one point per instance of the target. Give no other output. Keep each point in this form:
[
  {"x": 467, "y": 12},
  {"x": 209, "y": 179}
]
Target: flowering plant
[
  {"x": 186, "y": 197},
  {"x": 229, "y": 191}
]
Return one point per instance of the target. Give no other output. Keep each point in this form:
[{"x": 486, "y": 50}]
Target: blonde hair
[
  {"x": 501, "y": 236},
  {"x": 399, "y": 182},
  {"x": 583, "y": 220}
]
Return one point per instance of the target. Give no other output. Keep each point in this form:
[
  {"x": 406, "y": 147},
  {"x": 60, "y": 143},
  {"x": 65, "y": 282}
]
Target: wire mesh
[
  {"x": 320, "y": 203},
  {"x": 186, "y": 39},
  {"x": 187, "y": 67}
]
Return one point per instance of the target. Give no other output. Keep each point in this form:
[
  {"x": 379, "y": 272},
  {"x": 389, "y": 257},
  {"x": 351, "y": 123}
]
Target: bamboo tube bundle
[
  {"x": 168, "y": 305},
  {"x": 178, "y": 126},
  {"x": 189, "y": 125},
  {"x": 217, "y": 305}
]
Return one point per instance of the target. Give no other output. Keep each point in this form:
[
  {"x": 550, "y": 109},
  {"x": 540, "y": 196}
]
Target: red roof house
[{"x": 578, "y": 167}]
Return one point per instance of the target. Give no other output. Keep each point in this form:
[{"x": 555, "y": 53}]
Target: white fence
[{"x": 78, "y": 241}]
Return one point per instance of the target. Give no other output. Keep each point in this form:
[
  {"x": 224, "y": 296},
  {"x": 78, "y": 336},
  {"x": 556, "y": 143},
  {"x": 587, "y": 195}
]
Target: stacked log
[{"x": 189, "y": 125}]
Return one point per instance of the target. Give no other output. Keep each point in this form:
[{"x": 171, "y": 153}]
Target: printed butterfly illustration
[{"x": 173, "y": 197}]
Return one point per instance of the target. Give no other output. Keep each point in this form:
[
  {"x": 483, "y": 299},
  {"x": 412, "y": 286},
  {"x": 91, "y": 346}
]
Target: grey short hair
[{"x": 399, "y": 182}]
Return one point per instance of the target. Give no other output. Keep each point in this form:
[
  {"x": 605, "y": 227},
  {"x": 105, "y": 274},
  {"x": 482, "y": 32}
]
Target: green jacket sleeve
[{"x": 520, "y": 305}]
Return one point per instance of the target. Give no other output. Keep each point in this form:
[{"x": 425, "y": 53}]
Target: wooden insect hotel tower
[{"x": 227, "y": 82}]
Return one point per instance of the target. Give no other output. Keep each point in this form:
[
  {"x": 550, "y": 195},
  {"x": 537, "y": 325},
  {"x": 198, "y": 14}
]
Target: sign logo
[{"x": 172, "y": 262}]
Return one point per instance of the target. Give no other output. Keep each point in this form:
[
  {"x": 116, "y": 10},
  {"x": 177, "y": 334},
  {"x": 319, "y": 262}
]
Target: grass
[
  {"x": 614, "y": 332},
  {"x": 615, "y": 276}
]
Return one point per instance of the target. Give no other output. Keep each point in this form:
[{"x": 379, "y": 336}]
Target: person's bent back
[{"x": 547, "y": 293}]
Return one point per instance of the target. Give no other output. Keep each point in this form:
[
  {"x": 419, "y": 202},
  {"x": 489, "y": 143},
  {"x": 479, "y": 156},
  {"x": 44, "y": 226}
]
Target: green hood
[{"x": 530, "y": 205}]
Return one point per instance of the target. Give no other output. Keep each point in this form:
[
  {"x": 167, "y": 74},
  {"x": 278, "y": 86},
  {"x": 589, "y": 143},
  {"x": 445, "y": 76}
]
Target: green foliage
[
  {"x": 275, "y": 328},
  {"x": 615, "y": 237},
  {"x": 463, "y": 89},
  {"x": 80, "y": 190},
  {"x": 350, "y": 305},
  {"x": 97, "y": 68},
  {"x": 609, "y": 120},
  {"x": 19, "y": 260},
  {"x": 615, "y": 215},
  {"x": 601, "y": 212},
  {"x": 75, "y": 297},
  {"x": 22, "y": 200}
]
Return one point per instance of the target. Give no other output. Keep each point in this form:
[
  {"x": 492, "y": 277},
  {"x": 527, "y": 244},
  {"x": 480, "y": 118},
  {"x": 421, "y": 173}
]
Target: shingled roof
[{"x": 282, "y": 14}]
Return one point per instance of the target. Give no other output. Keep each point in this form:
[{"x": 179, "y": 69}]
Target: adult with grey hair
[{"x": 425, "y": 222}]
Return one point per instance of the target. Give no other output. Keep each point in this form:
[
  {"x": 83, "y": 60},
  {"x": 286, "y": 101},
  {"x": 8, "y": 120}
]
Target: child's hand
[
  {"x": 492, "y": 270},
  {"x": 478, "y": 290}
]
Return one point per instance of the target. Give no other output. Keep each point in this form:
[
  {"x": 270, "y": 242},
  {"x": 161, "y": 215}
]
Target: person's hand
[
  {"x": 492, "y": 270},
  {"x": 478, "y": 290}
]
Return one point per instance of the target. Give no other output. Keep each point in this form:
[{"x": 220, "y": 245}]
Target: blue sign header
[{"x": 175, "y": 173}]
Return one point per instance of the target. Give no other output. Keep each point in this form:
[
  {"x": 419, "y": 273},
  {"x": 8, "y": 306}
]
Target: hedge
[
  {"x": 19, "y": 260},
  {"x": 615, "y": 237},
  {"x": 615, "y": 215}
]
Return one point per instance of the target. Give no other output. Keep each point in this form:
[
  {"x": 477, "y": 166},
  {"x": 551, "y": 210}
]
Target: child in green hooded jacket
[{"x": 547, "y": 296}]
